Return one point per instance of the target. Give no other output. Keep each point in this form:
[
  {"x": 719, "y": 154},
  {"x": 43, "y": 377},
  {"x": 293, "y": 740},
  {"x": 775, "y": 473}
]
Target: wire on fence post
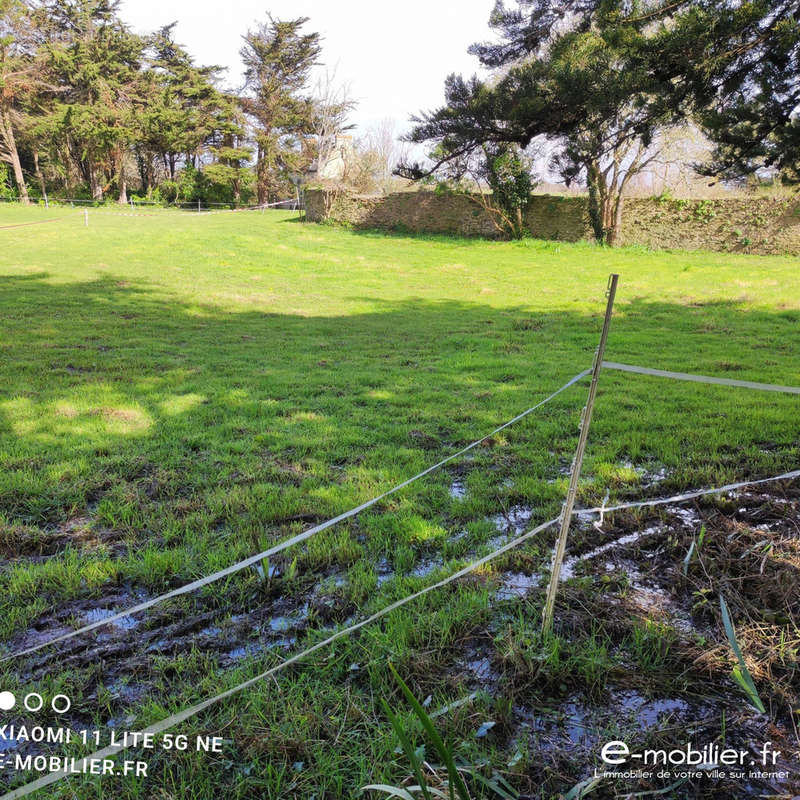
[{"x": 586, "y": 418}]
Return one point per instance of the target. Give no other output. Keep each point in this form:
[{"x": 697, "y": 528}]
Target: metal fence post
[{"x": 586, "y": 418}]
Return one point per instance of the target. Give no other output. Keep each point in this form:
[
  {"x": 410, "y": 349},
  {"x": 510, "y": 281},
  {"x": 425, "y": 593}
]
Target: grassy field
[{"x": 179, "y": 391}]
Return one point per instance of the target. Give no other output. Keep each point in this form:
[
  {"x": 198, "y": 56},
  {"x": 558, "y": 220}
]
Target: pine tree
[
  {"x": 97, "y": 62},
  {"x": 278, "y": 59},
  {"x": 603, "y": 77}
]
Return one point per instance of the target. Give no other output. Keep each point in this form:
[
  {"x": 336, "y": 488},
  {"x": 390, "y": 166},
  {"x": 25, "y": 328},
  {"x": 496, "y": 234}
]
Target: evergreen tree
[
  {"x": 97, "y": 62},
  {"x": 185, "y": 110},
  {"x": 739, "y": 65},
  {"x": 571, "y": 73},
  {"x": 603, "y": 77},
  {"x": 19, "y": 80},
  {"x": 278, "y": 59}
]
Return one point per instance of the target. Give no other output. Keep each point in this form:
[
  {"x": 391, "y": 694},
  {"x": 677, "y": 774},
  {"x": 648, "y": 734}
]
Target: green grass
[{"x": 179, "y": 391}]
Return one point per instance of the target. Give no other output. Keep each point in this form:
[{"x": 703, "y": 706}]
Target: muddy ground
[{"x": 632, "y": 598}]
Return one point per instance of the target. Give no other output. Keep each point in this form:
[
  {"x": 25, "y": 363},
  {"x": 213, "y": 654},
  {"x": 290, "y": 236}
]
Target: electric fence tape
[
  {"x": 300, "y": 537},
  {"x": 686, "y": 376}
]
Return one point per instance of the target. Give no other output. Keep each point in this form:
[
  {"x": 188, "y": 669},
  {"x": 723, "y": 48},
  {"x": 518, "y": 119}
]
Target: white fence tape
[
  {"x": 686, "y": 376},
  {"x": 300, "y": 537},
  {"x": 25, "y": 224}
]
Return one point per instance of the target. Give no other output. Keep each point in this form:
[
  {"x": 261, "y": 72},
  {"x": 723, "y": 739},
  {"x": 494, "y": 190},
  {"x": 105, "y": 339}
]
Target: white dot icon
[{"x": 7, "y": 701}]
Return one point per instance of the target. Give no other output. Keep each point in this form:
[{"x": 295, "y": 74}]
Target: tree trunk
[
  {"x": 13, "y": 157},
  {"x": 39, "y": 176},
  {"x": 261, "y": 177},
  {"x": 595, "y": 180},
  {"x": 608, "y": 218},
  {"x": 95, "y": 183},
  {"x": 616, "y": 222},
  {"x": 122, "y": 183},
  {"x": 605, "y": 205}
]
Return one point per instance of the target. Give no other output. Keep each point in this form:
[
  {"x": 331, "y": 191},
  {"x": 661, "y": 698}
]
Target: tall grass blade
[
  {"x": 583, "y": 788},
  {"x": 493, "y": 784},
  {"x": 688, "y": 559},
  {"x": 455, "y": 781},
  {"x": 391, "y": 791},
  {"x": 410, "y": 752},
  {"x": 694, "y": 549},
  {"x": 740, "y": 673}
]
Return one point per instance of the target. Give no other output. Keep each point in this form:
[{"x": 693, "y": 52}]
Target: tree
[
  {"x": 97, "y": 61},
  {"x": 496, "y": 178},
  {"x": 231, "y": 153},
  {"x": 332, "y": 108},
  {"x": 278, "y": 59},
  {"x": 571, "y": 73},
  {"x": 732, "y": 67},
  {"x": 740, "y": 64},
  {"x": 185, "y": 112},
  {"x": 19, "y": 78}
]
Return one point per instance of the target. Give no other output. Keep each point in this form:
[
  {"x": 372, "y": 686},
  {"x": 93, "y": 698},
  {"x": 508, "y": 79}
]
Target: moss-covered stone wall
[{"x": 766, "y": 225}]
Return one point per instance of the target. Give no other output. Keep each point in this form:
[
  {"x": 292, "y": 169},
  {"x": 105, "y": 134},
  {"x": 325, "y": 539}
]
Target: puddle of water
[
  {"x": 285, "y": 623},
  {"x": 125, "y": 691},
  {"x": 124, "y": 722},
  {"x": 99, "y": 614},
  {"x": 516, "y": 585},
  {"x": 481, "y": 668},
  {"x": 516, "y": 519},
  {"x": 647, "y": 477},
  {"x": 576, "y": 723},
  {"x": 649, "y": 712},
  {"x": 687, "y": 516},
  {"x": 384, "y": 571},
  {"x": 570, "y": 564},
  {"x": 425, "y": 567},
  {"x": 573, "y": 722},
  {"x": 457, "y": 490},
  {"x": 211, "y": 632},
  {"x": 239, "y": 653}
]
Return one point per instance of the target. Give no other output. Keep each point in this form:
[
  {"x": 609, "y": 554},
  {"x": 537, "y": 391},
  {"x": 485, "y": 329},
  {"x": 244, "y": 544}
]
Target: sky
[{"x": 394, "y": 56}]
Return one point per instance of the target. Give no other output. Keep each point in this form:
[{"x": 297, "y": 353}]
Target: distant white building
[{"x": 334, "y": 167}]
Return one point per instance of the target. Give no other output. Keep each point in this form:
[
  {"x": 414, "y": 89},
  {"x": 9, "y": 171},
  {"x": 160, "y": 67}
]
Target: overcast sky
[{"x": 394, "y": 56}]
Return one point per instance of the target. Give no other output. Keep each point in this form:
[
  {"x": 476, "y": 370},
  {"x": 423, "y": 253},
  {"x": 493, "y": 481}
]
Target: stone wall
[{"x": 765, "y": 225}]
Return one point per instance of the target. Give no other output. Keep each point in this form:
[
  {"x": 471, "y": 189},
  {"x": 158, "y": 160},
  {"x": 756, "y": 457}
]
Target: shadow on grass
[{"x": 102, "y": 376}]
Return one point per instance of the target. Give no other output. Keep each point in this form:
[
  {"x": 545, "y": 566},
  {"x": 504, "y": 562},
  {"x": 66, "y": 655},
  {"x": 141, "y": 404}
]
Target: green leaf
[
  {"x": 392, "y": 791},
  {"x": 455, "y": 779},
  {"x": 411, "y": 753},
  {"x": 740, "y": 673},
  {"x": 583, "y": 788}
]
